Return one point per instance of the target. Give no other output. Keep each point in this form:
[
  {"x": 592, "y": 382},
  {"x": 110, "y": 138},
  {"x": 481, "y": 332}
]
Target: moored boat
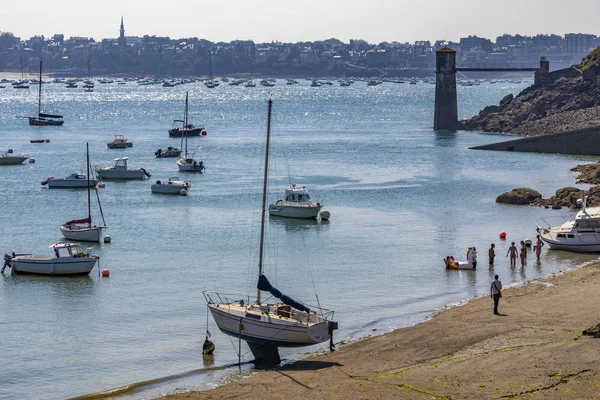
[
  {"x": 73, "y": 181},
  {"x": 67, "y": 259},
  {"x": 168, "y": 152},
  {"x": 43, "y": 119},
  {"x": 10, "y": 158},
  {"x": 119, "y": 142},
  {"x": 173, "y": 186},
  {"x": 186, "y": 128},
  {"x": 297, "y": 204},
  {"x": 119, "y": 170}
]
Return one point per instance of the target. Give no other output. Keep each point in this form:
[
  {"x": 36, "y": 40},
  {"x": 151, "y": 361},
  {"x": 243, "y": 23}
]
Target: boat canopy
[
  {"x": 79, "y": 221},
  {"x": 42, "y": 115},
  {"x": 265, "y": 285}
]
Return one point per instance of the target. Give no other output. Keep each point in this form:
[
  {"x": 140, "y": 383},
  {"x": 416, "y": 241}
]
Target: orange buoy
[
  {"x": 105, "y": 273},
  {"x": 502, "y": 235}
]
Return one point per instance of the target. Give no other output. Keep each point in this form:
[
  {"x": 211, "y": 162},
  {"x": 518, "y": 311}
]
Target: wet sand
[{"x": 535, "y": 349}]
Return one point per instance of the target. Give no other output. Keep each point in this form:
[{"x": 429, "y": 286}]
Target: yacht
[
  {"x": 297, "y": 204},
  {"x": 581, "y": 235},
  {"x": 120, "y": 171},
  {"x": 119, "y": 142}
]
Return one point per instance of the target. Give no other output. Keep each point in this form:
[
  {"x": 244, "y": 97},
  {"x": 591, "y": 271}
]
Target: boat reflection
[{"x": 291, "y": 224}]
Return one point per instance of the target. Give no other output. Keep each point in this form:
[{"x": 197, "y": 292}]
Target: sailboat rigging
[
  {"x": 266, "y": 327},
  {"x": 187, "y": 129},
  {"x": 82, "y": 229},
  {"x": 43, "y": 119}
]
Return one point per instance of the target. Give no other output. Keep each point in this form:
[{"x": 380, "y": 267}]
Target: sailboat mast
[
  {"x": 264, "y": 200},
  {"x": 40, "y": 91},
  {"x": 186, "y": 122},
  {"x": 87, "y": 160}
]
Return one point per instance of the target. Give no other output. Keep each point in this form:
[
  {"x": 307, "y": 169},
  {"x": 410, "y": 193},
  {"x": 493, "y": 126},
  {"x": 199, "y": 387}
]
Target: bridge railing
[{"x": 498, "y": 66}]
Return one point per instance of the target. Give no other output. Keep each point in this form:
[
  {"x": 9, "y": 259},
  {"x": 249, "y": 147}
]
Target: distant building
[
  {"x": 122, "y": 41},
  {"x": 579, "y": 43}
]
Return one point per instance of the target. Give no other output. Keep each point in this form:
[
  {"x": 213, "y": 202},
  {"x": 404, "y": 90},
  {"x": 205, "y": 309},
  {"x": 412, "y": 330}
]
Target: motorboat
[
  {"x": 119, "y": 170},
  {"x": 66, "y": 259},
  {"x": 39, "y": 141},
  {"x": 10, "y": 158},
  {"x": 84, "y": 229},
  {"x": 119, "y": 142},
  {"x": 186, "y": 128},
  {"x": 265, "y": 326},
  {"x": 74, "y": 181},
  {"x": 43, "y": 119},
  {"x": 297, "y": 204},
  {"x": 168, "y": 152},
  {"x": 581, "y": 235},
  {"x": 173, "y": 186}
]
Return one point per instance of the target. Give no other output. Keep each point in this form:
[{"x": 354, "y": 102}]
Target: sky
[{"x": 375, "y": 21}]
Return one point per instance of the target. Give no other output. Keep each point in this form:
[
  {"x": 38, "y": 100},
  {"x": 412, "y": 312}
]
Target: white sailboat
[
  {"x": 264, "y": 326},
  {"x": 83, "y": 230},
  {"x": 187, "y": 163}
]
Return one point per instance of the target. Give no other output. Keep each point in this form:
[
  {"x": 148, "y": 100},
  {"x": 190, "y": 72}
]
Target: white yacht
[
  {"x": 67, "y": 259},
  {"x": 120, "y": 171},
  {"x": 9, "y": 158},
  {"x": 173, "y": 186},
  {"x": 119, "y": 142},
  {"x": 580, "y": 235},
  {"x": 297, "y": 204},
  {"x": 73, "y": 181}
]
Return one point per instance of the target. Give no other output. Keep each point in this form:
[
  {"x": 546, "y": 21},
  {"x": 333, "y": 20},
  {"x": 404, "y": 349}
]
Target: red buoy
[
  {"x": 502, "y": 235},
  {"x": 105, "y": 273},
  {"x": 101, "y": 186},
  {"x": 203, "y": 132},
  {"x": 13, "y": 254}
]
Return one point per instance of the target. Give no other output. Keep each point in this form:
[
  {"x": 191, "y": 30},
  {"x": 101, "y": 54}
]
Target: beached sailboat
[
  {"x": 83, "y": 229},
  {"x": 43, "y": 119},
  {"x": 187, "y": 129},
  {"x": 266, "y": 327}
]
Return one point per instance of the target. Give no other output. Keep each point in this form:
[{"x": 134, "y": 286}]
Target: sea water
[{"x": 401, "y": 197}]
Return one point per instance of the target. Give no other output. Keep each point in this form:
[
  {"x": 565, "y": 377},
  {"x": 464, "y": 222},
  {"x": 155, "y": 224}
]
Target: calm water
[{"x": 401, "y": 197}]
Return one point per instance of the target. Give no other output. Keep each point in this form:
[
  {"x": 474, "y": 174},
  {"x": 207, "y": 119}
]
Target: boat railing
[
  {"x": 224, "y": 298},
  {"x": 553, "y": 220}
]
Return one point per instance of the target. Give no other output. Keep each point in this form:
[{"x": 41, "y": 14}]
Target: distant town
[{"x": 167, "y": 57}]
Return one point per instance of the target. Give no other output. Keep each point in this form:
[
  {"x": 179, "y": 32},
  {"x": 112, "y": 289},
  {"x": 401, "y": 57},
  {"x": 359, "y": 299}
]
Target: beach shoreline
[{"x": 534, "y": 349}]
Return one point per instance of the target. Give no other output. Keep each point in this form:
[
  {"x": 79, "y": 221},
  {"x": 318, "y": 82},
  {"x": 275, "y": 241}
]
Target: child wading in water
[
  {"x": 523, "y": 254},
  {"x": 492, "y": 254},
  {"x": 538, "y": 247}
]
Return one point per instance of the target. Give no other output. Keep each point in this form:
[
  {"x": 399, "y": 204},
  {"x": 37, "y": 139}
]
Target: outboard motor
[
  {"x": 47, "y": 180},
  {"x": 145, "y": 172},
  {"x": 332, "y": 325},
  {"x": 7, "y": 262}
]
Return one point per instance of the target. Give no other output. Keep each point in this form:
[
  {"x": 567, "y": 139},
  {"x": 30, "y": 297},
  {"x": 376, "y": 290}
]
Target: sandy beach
[{"x": 535, "y": 349}]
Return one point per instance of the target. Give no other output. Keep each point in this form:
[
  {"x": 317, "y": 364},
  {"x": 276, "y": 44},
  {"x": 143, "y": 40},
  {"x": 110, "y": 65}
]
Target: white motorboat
[
  {"x": 119, "y": 142},
  {"x": 168, "y": 152},
  {"x": 297, "y": 204},
  {"x": 73, "y": 181},
  {"x": 9, "y": 158},
  {"x": 580, "y": 235},
  {"x": 267, "y": 326},
  {"x": 120, "y": 171},
  {"x": 84, "y": 230},
  {"x": 67, "y": 259},
  {"x": 173, "y": 186}
]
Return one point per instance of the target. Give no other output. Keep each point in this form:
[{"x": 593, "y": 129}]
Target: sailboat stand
[{"x": 268, "y": 326}]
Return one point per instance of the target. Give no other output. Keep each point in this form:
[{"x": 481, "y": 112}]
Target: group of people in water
[{"x": 512, "y": 251}]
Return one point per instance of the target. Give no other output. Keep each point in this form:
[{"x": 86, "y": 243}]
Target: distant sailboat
[
  {"x": 43, "y": 119},
  {"x": 187, "y": 129}
]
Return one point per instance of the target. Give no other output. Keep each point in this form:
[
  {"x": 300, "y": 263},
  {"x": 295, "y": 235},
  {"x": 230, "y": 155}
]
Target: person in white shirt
[
  {"x": 472, "y": 258},
  {"x": 495, "y": 293}
]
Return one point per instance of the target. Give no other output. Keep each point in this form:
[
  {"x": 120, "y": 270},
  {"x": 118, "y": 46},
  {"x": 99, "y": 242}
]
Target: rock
[
  {"x": 594, "y": 331},
  {"x": 506, "y": 100},
  {"x": 556, "y": 207},
  {"x": 588, "y": 173},
  {"x": 520, "y": 196}
]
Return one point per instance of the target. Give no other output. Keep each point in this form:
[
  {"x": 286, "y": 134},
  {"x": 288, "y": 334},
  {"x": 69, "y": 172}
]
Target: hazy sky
[{"x": 300, "y": 20}]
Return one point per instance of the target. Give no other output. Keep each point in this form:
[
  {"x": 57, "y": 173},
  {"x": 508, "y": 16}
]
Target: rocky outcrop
[
  {"x": 520, "y": 196},
  {"x": 588, "y": 173},
  {"x": 568, "y": 100}
]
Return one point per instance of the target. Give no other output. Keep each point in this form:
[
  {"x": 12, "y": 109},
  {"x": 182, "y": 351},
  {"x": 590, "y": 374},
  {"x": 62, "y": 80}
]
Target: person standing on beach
[
  {"x": 513, "y": 254},
  {"x": 523, "y": 253},
  {"x": 495, "y": 293},
  {"x": 492, "y": 254},
  {"x": 538, "y": 246}
]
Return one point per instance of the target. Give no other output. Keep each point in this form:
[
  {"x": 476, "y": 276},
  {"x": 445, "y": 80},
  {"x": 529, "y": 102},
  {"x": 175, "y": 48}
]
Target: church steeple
[{"x": 122, "y": 41}]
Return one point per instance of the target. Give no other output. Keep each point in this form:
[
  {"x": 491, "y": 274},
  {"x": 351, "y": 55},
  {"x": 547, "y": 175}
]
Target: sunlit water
[{"x": 401, "y": 197}]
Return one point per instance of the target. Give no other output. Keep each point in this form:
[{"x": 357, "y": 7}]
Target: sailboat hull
[
  {"x": 35, "y": 121},
  {"x": 81, "y": 233},
  {"x": 268, "y": 329}
]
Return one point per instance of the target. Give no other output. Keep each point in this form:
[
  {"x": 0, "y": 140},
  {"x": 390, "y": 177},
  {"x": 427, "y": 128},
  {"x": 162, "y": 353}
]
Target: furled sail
[
  {"x": 265, "y": 285},
  {"x": 79, "y": 221}
]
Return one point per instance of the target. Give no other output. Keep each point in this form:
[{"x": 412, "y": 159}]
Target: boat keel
[{"x": 264, "y": 355}]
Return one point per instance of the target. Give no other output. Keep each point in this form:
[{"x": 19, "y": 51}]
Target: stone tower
[
  {"x": 122, "y": 41},
  {"x": 446, "y": 111}
]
